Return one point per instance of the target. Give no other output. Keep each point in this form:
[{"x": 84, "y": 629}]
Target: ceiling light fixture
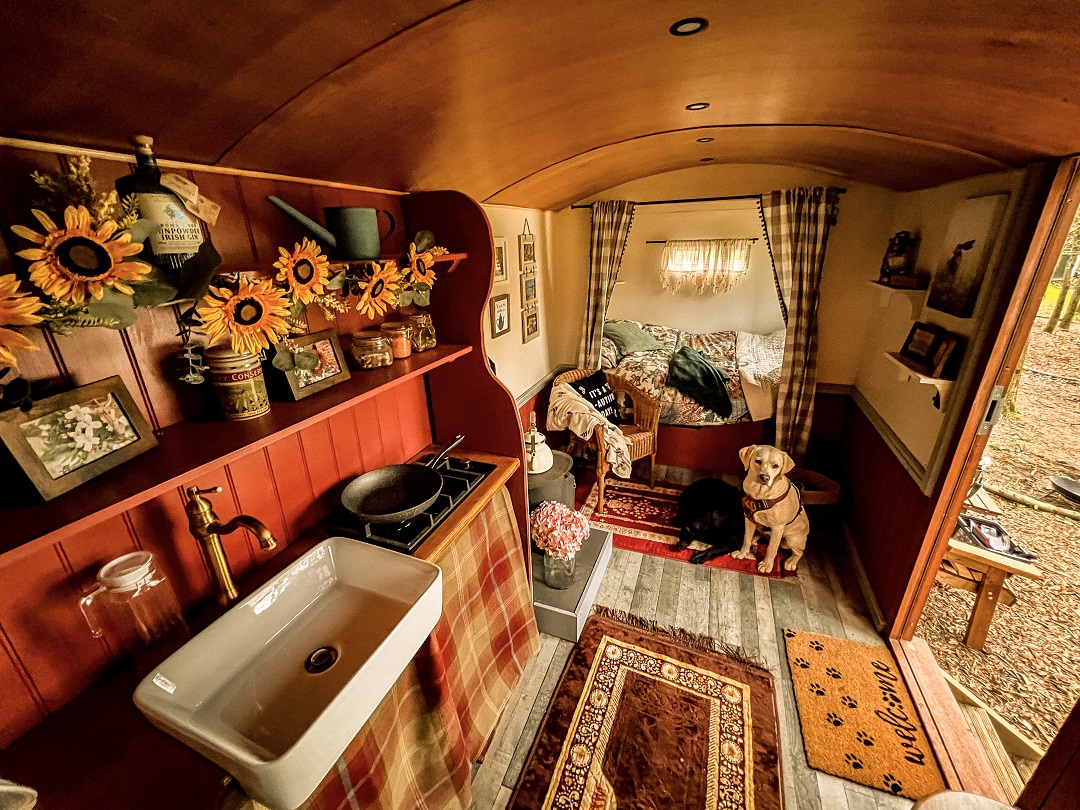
[
  {"x": 697, "y": 105},
  {"x": 691, "y": 25},
  {"x": 704, "y": 140}
]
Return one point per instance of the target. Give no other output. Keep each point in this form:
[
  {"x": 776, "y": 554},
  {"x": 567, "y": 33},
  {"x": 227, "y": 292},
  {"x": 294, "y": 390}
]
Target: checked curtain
[
  {"x": 797, "y": 223},
  {"x": 611, "y": 221}
]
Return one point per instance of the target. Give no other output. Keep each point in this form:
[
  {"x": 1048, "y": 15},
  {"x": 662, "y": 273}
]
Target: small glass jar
[
  {"x": 400, "y": 336},
  {"x": 558, "y": 573},
  {"x": 238, "y": 382},
  {"x": 371, "y": 350},
  {"x": 423, "y": 331}
]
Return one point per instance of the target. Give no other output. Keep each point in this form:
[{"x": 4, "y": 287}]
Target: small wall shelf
[
  {"x": 187, "y": 448},
  {"x": 942, "y": 386},
  {"x": 914, "y": 297}
]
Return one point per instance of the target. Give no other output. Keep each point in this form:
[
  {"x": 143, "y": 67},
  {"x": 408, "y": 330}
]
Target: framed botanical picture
[
  {"x": 923, "y": 344},
  {"x": 306, "y": 376},
  {"x": 499, "y": 306},
  {"x": 530, "y": 324},
  {"x": 67, "y": 439},
  {"x": 502, "y": 258},
  {"x": 528, "y": 290},
  {"x": 526, "y": 249}
]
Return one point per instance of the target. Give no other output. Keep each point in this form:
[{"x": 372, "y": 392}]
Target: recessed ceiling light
[
  {"x": 706, "y": 160},
  {"x": 704, "y": 140},
  {"x": 691, "y": 25},
  {"x": 697, "y": 105}
]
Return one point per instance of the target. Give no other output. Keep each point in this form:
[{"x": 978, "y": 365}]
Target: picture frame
[
  {"x": 923, "y": 344},
  {"x": 67, "y": 439},
  {"x": 967, "y": 247},
  {"x": 528, "y": 290},
  {"x": 499, "y": 313},
  {"x": 502, "y": 261},
  {"x": 527, "y": 250},
  {"x": 332, "y": 369},
  {"x": 530, "y": 324}
]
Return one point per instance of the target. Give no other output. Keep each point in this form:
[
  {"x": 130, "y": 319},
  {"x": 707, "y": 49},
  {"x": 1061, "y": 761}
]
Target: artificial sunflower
[
  {"x": 16, "y": 309},
  {"x": 381, "y": 289},
  {"x": 305, "y": 270},
  {"x": 253, "y": 316},
  {"x": 422, "y": 264},
  {"x": 78, "y": 261}
]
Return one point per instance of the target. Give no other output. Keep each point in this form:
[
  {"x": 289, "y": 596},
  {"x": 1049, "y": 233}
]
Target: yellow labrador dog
[{"x": 772, "y": 505}]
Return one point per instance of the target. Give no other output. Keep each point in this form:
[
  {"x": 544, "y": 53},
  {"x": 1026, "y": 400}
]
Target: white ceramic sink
[{"x": 242, "y": 692}]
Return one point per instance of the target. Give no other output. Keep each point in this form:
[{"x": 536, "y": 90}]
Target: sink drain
[{"x": 321, "y": 660}]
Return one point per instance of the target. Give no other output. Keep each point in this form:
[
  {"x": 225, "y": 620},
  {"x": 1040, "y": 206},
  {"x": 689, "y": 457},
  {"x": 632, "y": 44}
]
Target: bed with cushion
[{"x": 748, "y": 365}]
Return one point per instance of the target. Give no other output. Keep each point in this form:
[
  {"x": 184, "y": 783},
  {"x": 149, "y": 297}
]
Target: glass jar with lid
[
  {"x": 371, "y": 349},
  {"x": 400, "y": 337},
  {"x": 423, "y": 331}
]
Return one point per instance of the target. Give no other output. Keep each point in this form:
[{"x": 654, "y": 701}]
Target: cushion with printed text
[{"x": 596, "y": 390}]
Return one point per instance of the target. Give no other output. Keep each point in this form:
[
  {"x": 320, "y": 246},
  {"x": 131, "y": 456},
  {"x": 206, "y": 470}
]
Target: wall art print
[{"x": 969, "y": 243}]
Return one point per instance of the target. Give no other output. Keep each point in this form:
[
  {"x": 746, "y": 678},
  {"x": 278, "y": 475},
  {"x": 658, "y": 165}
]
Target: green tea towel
[{"x": 690, "y": 372}]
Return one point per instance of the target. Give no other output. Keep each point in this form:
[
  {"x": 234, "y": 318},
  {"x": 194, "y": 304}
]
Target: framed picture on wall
[
  {"x": 65, "y": 440},
  {"x": 528, "y": 290},
  {"x": 499, "y": 312},
  {"x": 530, "y": 324},
  {"x": 502, "y": 258},
  {"x": 527, "y": 250},
  {"x": 967, "y": 247},
  {"x": 306, "y": 376}
]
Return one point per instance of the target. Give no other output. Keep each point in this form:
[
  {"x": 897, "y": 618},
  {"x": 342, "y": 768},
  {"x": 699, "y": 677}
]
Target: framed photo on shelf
[
  {"x": 499, "y": 312},
  {"x": 528, "y": 290},
  {"x": 67, "y": 439},
  {"x": 923, "y": 346},
  {"x": 502, "y": 259},
  {"x": 530, "y": 324},
  {"x": 527, "y": 250},
  {"x": 331, "y": 367}
]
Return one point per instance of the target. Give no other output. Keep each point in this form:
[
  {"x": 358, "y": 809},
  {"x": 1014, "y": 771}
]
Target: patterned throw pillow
[
  {"x": 596, "y": 390},
  {"x": 609, "y": 355}
]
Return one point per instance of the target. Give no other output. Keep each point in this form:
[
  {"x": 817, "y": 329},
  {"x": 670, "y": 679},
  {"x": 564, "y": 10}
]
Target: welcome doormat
[
  {"x": 640, "y": 519},
  {"x": 644, "y": 717},
  {"x": 858, "y": 718}
]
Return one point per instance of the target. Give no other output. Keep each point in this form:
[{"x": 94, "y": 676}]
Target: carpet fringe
[{"x": 678, "y": 635}]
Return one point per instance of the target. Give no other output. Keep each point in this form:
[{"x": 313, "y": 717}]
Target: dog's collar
[{"x": 753, "y": 505}]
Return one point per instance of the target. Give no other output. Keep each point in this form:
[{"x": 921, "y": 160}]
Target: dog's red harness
[{"x": 750, "y": 506}]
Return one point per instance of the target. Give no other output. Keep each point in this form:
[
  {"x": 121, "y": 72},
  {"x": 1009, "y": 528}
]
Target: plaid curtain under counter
[{"x": 416, "y": 751}]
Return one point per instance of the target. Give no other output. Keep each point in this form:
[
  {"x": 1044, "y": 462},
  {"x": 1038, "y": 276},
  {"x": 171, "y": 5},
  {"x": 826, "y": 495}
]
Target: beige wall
[{"x": 906, "y": 405}]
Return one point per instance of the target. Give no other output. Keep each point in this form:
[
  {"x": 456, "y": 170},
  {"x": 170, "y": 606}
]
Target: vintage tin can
[{"x": 238, "y": 382}]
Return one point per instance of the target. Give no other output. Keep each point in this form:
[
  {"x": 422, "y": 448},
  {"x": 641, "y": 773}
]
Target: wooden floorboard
[{"x": 740, "y": 609}]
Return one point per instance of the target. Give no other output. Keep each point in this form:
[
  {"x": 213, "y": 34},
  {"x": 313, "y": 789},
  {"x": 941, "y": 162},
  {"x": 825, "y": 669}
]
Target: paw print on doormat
[
  {"x": 789, "y": 633},
  {"x": 891, "y": 700},
  {"x": 849, "y": 702},
  {"x": 802, "y": 663},
  {"x": 853, "y": 761},
  {"x": 816, "y": 645},
  {"x": 892, "y": 784},
  {"x": 864, "y": 738},
  {"x": 817, "y": 689},
  {"x": 835, "y": 719},
  {"x": 833, "y": 672}
]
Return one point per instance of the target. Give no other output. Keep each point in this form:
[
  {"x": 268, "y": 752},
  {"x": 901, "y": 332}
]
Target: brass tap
[{"x": 207, "y": 529}]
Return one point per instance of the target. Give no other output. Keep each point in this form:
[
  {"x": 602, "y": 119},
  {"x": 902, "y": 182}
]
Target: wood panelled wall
[{"x": 48, "y": 654}]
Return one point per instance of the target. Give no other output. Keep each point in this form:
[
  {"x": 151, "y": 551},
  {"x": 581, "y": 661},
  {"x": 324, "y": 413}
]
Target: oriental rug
[
  {"x": 640, "y": 519},
  {"x": 645, "y": 718},
  {"x": 858, "y": 719}
]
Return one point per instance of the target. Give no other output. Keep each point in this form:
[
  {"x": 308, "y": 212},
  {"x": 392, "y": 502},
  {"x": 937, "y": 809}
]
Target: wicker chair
[{"x": 640, "y": 434}]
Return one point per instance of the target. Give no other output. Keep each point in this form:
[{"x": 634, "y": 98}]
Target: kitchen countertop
[{"x": 99, "y": 751}]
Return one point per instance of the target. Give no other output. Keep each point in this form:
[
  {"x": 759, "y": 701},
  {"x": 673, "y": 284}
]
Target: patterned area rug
[
  {"x": 647, "y": 718},
  {"x": 640, "y": 519},
  {"x": 858, "y": 719}
]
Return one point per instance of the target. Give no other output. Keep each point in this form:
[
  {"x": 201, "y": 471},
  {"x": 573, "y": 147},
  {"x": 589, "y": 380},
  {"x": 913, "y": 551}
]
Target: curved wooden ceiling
[{"x": 541, "y": 104}]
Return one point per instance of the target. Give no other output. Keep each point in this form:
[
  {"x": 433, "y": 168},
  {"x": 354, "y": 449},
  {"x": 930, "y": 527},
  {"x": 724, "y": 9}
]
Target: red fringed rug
[{"x": 640, "y": 519}]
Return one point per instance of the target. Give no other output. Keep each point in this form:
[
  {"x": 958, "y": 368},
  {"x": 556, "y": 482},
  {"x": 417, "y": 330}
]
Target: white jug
[{"x": 538, "y": 456}]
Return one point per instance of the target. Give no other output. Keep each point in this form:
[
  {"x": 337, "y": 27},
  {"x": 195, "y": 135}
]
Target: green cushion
[{"x": 629, "y": 337}]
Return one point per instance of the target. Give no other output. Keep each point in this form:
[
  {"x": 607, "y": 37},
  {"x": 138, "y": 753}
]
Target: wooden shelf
[
  {"x": 943, "y": 386},
  {"x": 446, "y": 257},
  {"x": 187, "y": 449},
  {"x": 914, "y": 297}
]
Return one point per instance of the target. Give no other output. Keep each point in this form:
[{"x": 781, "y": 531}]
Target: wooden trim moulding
[
  {"x": 102, "y": 154},
  {"x": 187, "y": 449},
  {"x": 872, "y": 606},
  {"x": 541, "y": 384}
]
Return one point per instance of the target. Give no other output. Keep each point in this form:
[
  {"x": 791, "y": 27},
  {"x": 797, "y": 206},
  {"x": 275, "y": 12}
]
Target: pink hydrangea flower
[{"x": 558, "y": 529}]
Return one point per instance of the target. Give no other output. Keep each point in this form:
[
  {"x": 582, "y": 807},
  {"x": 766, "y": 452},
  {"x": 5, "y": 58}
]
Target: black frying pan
[{"x": 397, "y": 492}]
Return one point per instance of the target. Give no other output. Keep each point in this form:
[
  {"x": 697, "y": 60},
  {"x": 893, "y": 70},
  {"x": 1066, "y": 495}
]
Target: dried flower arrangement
[{"x": 558, "y": 529}]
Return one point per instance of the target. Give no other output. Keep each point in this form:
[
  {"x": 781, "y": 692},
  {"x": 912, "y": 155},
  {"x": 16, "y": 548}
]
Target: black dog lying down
[{"x": 710, "y": 511}]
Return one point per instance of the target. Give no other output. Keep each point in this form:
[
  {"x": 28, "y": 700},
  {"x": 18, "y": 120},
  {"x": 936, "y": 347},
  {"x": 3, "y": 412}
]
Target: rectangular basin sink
[{"x": 276, "y": 689}]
